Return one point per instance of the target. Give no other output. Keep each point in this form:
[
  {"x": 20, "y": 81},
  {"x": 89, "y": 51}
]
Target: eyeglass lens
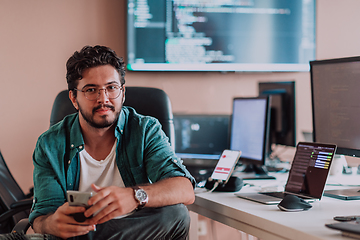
[{"x": 112, "y": 92}]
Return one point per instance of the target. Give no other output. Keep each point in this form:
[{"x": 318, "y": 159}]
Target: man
[{"x": 125, "y": 158}]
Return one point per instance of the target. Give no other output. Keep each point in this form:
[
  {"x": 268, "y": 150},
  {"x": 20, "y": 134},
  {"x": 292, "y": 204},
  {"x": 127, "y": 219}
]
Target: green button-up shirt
[{"x": 143, "y": 155}]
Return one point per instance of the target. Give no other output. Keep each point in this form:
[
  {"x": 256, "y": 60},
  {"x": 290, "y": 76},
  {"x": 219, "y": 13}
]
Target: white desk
[{"x": 268, "y": 222}]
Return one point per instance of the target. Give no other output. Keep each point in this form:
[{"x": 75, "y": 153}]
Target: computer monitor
[
  {"x": 200, "y": 140},
  {"x": 282, "y": 112},
  {"x": 200, "y": 136},
  {"x": 248, "y": 133},
  {"x": 335, "y": 85},
  {"x": 241, "y": 35}
]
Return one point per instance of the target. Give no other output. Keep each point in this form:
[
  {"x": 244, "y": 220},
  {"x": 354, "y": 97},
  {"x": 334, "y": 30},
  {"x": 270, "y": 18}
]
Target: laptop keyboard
[
  {"x": 274, "y": 194},
  {"x": 282, "y": 195}
]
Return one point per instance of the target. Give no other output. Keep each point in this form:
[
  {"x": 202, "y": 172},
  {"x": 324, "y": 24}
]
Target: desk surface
[{"x": 268, "y": 222}]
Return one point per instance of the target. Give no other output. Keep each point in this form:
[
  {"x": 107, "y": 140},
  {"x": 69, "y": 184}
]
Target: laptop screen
[{"x": 310, "y": 169}]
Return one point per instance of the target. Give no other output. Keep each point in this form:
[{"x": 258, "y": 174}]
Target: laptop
[{"x": 307, "y": 175}]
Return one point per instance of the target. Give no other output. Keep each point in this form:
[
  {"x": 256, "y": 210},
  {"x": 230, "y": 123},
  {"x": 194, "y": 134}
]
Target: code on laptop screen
[{"x": 310, "y": 169}]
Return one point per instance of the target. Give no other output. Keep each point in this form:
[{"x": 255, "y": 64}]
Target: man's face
[{"x": 103, "y": 111}]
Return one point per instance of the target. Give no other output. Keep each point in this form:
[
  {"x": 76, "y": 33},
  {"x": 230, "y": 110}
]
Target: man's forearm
[
  {"x": 169, "y": 192},
  {"x": 39, "y": 224}
]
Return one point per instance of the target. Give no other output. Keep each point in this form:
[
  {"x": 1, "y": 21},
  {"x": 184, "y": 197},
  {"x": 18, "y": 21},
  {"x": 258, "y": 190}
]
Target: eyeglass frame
[{"x": 121, "y": 88}]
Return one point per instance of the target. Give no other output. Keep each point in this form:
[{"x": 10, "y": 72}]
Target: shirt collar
[
  {"x": 76, "y": 138},
  {"x": 119, "y": 129}
]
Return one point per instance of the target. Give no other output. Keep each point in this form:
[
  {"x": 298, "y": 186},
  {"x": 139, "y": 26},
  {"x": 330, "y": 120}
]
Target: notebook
[{"x": 307, "y": 175}]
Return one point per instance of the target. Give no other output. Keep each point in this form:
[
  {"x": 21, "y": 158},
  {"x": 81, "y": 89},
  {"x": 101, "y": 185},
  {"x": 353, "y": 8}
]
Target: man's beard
[{"x": 89, "y": 118}]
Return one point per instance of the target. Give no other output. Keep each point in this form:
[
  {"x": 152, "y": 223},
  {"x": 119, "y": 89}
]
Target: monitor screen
[
  {"x": 282, "y": 112},
  {"x": 335, "y": 85},
  {"x": 201, "y": 136},
  {"x": 249, "y": 128},
  {"x": 242, "y": 35}
]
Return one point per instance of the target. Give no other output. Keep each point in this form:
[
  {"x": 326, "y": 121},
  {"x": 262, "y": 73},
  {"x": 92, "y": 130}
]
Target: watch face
[{"x": 141, "y": 195}]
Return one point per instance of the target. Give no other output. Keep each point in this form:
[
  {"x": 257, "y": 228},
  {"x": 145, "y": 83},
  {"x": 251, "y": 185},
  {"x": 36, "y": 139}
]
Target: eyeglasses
[{"x": 92, "y": 93}]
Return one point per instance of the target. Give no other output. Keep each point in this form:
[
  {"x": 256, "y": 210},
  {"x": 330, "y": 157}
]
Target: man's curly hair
[{"x": 90, "y": 57}]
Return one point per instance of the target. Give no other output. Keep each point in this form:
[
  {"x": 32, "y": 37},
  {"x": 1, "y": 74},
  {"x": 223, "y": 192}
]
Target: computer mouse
[{"x": 292, "y": 203}]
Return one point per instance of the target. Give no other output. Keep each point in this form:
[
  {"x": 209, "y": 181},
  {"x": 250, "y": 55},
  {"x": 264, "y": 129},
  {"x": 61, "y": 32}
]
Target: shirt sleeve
[
  {"x": 48, "y": 190},
  {"x": 159, "y": 157}
]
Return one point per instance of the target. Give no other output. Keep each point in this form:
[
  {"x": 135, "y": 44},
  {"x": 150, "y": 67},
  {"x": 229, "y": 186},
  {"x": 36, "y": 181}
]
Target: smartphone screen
[{"x": 225, "y": 165}]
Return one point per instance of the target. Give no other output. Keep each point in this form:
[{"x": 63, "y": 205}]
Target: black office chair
[
  {"x": 14, "y": 204},
  {"x": 145, "y": 100}
]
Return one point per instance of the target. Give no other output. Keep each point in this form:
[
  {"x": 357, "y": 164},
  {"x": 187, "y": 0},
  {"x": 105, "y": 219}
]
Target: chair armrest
[
  {"x": 22, "y": 203},
  {"x": 22, "y": 226},
  {"x": 16, "y": 207}
]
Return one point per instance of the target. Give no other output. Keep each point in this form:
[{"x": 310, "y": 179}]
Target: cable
[{"x": 216, "y": 184}]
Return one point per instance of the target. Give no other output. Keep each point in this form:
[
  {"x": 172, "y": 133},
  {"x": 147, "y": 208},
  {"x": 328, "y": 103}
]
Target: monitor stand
[
  {"x": 344, "y": 194},
  {"x": 254, "y": 172}
]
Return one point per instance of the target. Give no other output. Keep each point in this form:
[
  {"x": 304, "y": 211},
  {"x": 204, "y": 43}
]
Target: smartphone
[
  {"x": 225, "y": 165},
  {"x": 76, "y": 198},
  {"x": 347, "y": 218}
]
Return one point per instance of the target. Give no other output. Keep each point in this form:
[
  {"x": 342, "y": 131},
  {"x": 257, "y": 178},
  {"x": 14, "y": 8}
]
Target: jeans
[{"x": 170, "y": 222}]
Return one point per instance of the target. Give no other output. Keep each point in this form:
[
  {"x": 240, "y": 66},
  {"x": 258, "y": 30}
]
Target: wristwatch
[{"x": 140, "y": 196}]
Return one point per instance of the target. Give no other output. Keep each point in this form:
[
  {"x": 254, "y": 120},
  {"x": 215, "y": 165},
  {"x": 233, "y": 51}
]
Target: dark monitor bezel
[
  {"x": 286, "y": 90},
  {"x": 340, "y": 149},
  {"x": 243, "y": 159}
]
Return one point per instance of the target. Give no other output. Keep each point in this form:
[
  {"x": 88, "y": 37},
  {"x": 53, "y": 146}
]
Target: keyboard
[{"x": 274, "y": 194}]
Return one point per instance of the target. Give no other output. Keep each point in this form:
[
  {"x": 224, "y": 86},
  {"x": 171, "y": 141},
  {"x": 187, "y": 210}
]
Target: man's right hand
[{"x": 62, "y": 224}]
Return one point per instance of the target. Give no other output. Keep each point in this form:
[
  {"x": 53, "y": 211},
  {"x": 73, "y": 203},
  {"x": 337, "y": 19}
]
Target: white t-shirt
[{"x": 103, "y": 173}]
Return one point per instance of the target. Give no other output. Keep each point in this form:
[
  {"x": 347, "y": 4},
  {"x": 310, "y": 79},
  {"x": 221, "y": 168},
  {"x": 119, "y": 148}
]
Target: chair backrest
[
  {"x": 146, "y": 101},
  {"x": 10, "y": 192},
  {"x": 152, "y": 102},
  {"x": 62, "y": 107}
]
